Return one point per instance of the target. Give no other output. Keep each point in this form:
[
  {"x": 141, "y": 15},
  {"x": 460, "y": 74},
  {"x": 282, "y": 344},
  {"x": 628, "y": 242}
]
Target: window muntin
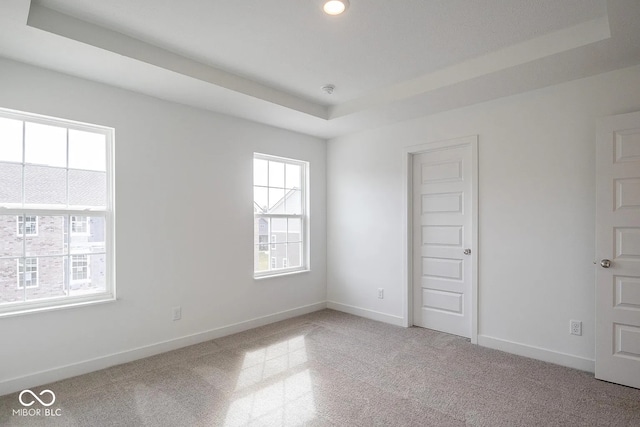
[
  {"x": 57, "y": 192},
  {"x": 280, "y": 215}
]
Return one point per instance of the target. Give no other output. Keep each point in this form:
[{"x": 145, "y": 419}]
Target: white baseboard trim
[
  {"x": 538, "y": 353},
  {"x": 56, "y": 374},
  {"x": 365, "y": 312}
]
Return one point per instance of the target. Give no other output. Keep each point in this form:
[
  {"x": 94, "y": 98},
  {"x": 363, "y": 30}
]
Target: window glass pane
[
  {"x": 261, "y": 259},
  {"x": 261, "y": 233},
  {"x": 10, "y": 183},
  {"x": 10, "y": 140},
  {"x": 78, "y": 224},
  {"x": 278, "y": 253},
  {"x": 260, "y": 172},
  {"x": 92, "y": 239},
  {"x": 87, "y": 150},
  {"x": 79, "y": 268},
  {"x": 87, "y": 188},
  {"x": 293, "y": 176},
  {"x": 98, "y": 272},
  {"x": 10, "y": 242},
  {"x": 50, "y": 277},
  {"x": 260, "y": 199},
  {"x": 279, "y": 228},
  {"x": 263, "y": 243},
  {"x": 294, "y": 254},
  {"x": 9, "y": 291},
  {"x": 87, "y": 274},
  {"x": 45, "y": 185},
  {"x": 49, "y": 238},
  {"x": 27, "y": 273},
  {"x": 293, "y": 202},
  {"x": 276, "y": 174},
  {"x": 294, "y": 230},
  {"x": 27, "y": 225},
  {"x": 276, "y": 200},
  {"x": 45, "y": 145}
]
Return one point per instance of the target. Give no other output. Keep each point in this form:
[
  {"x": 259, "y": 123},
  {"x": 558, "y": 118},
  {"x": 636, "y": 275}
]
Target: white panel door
[
  {"x": 618, "y": 249},
  {"x": 443, "y": 210}
]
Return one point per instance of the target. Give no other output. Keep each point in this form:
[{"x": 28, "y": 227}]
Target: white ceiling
[{"x": 267, "y": 60}]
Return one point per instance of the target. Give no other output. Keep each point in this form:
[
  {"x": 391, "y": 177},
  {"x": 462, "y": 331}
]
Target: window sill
[
  {"x": 37, "y": 308},
  {"x": 284, "y": 273}
]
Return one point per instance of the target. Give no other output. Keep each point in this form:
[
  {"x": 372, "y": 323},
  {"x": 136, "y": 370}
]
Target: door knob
[
  {"x": 605, "y": 263},
  {"x": 467, "y": 251}
]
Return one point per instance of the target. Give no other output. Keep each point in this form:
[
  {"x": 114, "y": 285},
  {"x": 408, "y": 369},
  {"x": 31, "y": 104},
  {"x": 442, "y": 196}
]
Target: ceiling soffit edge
[
  {"x": 537, "y": 48},
  {"x": 69, "y": 27},
  {"x": 63, "y": 25}
]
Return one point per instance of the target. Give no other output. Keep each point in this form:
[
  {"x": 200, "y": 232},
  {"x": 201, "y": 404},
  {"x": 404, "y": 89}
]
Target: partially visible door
[
  {"x": 443, "y": 210},
  {"x": 618, "y": 249}
]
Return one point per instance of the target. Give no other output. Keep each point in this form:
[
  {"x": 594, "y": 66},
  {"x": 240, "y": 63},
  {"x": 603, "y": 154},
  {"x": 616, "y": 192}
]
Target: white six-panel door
[
  {"x": 618, "y": 249},
  {"x": 443, "y": 212}
]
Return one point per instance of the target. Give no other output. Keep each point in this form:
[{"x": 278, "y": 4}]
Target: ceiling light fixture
[{"x": 335, "y": 7}]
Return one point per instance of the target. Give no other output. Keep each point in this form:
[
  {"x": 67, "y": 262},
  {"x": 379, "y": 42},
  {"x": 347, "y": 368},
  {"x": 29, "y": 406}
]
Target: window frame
[
  {"x": 108, "y": 213},
  {"x": 305, "y": 264}
]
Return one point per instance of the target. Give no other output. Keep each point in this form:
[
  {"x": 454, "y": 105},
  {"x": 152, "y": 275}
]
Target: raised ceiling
[{"x": 267, "y": 60}]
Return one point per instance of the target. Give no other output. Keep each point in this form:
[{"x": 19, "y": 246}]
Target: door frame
[{"x": 407, "y": 162}]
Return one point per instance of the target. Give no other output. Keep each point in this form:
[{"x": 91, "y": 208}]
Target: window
[
  {"x": 280, "y": 201},
  {"x": 27, "y": 225},
  {"x": 28, "y": 273},
  {"x": 57, "y": 193},
  {"x": 79, "y": 225}
]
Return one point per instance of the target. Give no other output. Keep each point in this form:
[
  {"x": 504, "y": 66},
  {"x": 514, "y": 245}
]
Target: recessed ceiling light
[{"x": 335, "y": 7}]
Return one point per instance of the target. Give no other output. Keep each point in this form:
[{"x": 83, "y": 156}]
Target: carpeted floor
[{"x": 329, "y": 368}]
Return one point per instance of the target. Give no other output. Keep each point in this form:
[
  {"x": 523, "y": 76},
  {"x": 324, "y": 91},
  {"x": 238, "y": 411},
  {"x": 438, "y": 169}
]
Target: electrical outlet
[
  {"x": 575, "y": 327},
  {"x": 177, "y": 313},
  {"x": 380, "y": 293}
]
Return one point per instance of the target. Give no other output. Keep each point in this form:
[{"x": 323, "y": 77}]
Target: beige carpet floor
[{"x": 329, "y": 368}]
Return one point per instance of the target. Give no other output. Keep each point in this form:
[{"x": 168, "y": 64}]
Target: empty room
[{"x": 320, "y": 213}]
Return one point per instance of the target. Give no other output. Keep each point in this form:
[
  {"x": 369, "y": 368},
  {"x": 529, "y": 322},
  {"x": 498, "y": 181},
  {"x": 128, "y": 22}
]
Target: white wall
[
  {"x": 184, "y": 231},
  {"x": 536, "y": 214}
]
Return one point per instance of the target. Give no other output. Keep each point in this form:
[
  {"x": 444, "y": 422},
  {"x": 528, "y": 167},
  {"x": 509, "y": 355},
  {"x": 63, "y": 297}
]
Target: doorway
[
  {"x": 442, "y": 243},
  {"x": 618, "y": 249}
]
